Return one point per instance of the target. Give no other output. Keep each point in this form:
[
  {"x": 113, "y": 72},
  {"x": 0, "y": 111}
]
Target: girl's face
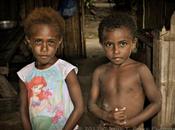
[
  {"x": 44, "y": 42},
  {"x": 118, "y": 45}
]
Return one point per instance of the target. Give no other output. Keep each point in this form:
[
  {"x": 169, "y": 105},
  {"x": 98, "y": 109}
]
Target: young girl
[{"x": 50, "y": 93}]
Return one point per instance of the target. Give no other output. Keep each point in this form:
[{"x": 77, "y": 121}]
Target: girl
[{"x": 50, "y": 93}]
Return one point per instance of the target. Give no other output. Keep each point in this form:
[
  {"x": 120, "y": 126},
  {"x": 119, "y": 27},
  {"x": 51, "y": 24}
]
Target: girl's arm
[
  {"x": 77, "y": 99},
  {"x": 24, "y": 110}
]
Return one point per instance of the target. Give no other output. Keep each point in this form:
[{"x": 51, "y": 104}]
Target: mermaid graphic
[{"x": 42, "y": 110}]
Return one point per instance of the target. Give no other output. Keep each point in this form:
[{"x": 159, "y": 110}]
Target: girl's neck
[{"x": 45, "y": 66}]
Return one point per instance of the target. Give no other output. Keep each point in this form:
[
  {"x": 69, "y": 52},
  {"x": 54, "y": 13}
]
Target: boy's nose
[{"x": 116, "y": 49}]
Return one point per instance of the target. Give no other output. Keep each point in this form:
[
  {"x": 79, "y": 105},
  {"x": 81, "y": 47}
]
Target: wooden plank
[
  {"x": 6, "y": 89},
  {"x": 4, "y": 70},
  {"x": 82, "y": 19},
  {"x": 156, "y": 71},
  {"x": 165, "y": 79},
  {"x": 9, "y": 105},
  {"x": 152, "y": 22},
  {"x": 74, "y": 44}
]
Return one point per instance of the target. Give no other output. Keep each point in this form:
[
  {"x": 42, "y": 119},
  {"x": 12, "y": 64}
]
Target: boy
[
  {"x": 123, "y": 83},
  {"x": 50, "y": 93}
]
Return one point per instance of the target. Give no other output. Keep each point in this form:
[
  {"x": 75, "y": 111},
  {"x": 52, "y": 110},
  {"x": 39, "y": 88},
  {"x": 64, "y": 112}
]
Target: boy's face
[
  {"x": 44, "y": 42},
  {"x": 118, "y": 45}
]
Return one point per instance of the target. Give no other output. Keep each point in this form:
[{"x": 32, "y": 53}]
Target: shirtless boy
[{"x": 123, "y": 83}]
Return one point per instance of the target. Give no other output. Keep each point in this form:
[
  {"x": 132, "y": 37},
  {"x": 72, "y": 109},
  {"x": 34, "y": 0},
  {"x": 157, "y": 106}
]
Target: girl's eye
[
  {"x": 123, "y": 44},
  {"x": 37, "y": 42},
  {"x": 52, "y": 42}
]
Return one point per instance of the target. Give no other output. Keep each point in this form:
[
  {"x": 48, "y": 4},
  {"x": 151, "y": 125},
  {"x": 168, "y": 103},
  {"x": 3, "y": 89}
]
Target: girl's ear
[
  {"x": 27, "y": 41},
  {"x": 61, "y": 40}
]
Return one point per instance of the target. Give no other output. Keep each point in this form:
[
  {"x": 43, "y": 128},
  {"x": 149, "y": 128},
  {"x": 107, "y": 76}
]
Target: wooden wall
[
  {"x": 164, "y": 72},
  {"x": 9, "y": 9},
  {"x": 169, "y": 8},
  {"x": 74, "y": 44},
  {"x": 154, "y": 14}
]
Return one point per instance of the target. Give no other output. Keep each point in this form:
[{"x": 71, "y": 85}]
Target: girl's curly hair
[{"x": 44, "y": 15}]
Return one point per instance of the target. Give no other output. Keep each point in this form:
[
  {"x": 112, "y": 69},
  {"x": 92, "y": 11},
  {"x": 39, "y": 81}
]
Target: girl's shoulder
[
  {"x": 27, "y": 68},
  {"x": 25, "y": 71},
  {"x": 65, "y": 67}
]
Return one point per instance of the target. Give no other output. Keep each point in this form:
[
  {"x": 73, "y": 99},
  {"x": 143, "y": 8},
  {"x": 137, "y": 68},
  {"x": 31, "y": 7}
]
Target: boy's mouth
[
  {"x": 43, "y": 56},
  {"x": 117, "y": 58}
]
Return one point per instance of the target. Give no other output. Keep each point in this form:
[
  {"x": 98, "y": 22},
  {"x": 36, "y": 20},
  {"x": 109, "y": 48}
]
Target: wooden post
[
  {"x": 164, "y": 72},
  {"x": 74, "y": 44}
]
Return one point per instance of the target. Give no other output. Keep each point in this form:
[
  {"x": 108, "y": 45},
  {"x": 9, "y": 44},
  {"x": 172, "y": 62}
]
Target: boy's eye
[
  {"x": 123, "y": 44},
  {"x": 108, "y": 44}
]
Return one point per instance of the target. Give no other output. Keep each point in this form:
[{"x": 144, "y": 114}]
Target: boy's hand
[{"x": 117, "y": 117}]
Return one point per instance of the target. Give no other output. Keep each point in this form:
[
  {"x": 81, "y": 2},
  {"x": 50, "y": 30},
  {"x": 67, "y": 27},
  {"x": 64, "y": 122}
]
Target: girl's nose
[{"x": 44, "y": 47}]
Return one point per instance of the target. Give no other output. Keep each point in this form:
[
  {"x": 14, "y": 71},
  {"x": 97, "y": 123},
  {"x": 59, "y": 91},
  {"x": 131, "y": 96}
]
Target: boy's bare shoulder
[
  {"x": 102, "y": 68},
  {"x": 140, "y": 66}
]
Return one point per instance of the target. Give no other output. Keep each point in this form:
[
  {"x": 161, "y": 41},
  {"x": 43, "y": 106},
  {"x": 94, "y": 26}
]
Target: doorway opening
[{"x": 93, "y": 15}]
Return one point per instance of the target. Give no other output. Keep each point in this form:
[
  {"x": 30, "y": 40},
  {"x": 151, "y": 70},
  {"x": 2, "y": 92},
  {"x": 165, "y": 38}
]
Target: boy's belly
[{"x": 133, "y": 103}]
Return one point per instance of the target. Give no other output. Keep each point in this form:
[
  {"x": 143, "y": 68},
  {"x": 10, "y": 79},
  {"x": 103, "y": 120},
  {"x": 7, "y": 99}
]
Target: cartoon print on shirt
[{"x": 39, "y": 96}]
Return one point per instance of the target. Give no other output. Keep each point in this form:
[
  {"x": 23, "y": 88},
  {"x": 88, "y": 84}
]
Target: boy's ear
[
  {"x": 134, "y": 47},
  {"x": 59, "y": 42}
]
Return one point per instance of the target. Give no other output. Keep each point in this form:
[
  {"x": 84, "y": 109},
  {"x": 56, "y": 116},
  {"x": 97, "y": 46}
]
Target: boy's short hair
[
  {"x": 44, "y": 15},
  {"x": 114, "y": 21}
]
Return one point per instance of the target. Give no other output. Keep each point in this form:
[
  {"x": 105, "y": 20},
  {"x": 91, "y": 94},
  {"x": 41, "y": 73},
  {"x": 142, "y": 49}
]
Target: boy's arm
[
  {"x": 153, "y": 94},
  {"x": 24, "y": 110},
  {"x": 77, "y": 99},
  {"x": 94, "y": 95}
]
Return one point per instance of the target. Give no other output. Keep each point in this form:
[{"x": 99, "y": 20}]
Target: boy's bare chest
[{"x": 120, "y": 81}]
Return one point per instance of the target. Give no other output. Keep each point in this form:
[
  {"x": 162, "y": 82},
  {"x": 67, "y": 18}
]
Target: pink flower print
[
  {"x": 57, "y": 116},
  {"x": 44, "y": 94}
]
